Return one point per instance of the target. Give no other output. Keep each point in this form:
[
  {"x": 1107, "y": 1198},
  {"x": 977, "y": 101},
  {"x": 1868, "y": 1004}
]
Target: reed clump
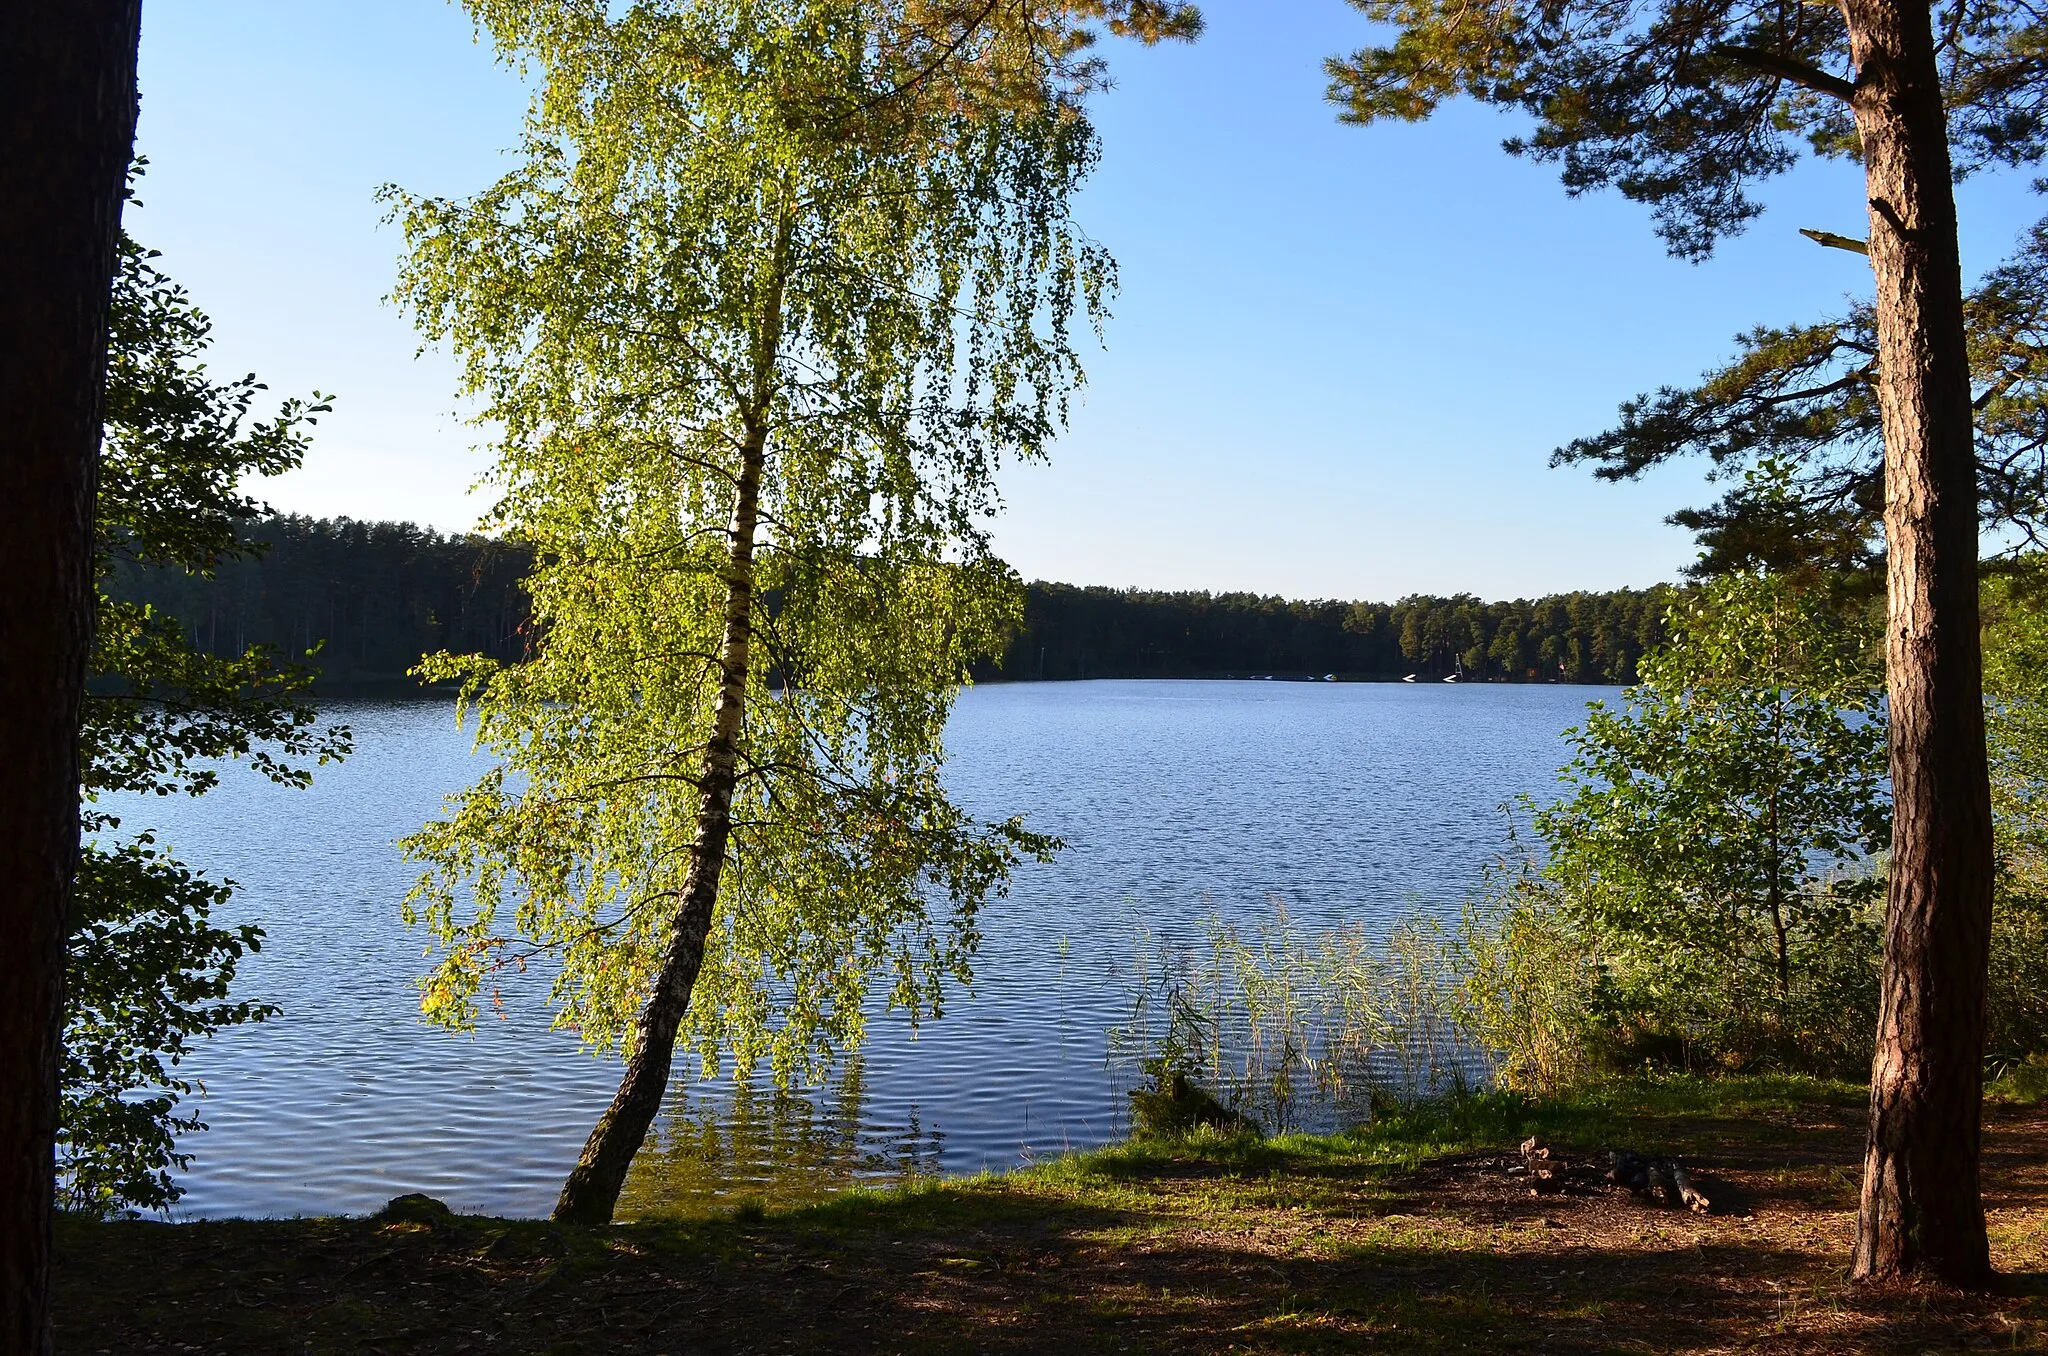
[
  {"x": 1284, "y": 1028},
  {"x": 1287, "y": 1028}
]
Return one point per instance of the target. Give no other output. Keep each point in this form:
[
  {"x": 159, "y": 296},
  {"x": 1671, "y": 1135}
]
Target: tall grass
[
  {"x": 1320, "y": 1031},
  {"x": 1326, "y": 1030}
]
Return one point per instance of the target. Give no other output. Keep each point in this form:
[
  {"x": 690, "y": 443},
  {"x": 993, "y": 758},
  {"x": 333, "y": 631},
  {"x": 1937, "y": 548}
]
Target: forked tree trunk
[
  {"x": 592, "y": 1191},
  {"x": 1921, "y": 1212},
  {"x": 67, "y": 129}
]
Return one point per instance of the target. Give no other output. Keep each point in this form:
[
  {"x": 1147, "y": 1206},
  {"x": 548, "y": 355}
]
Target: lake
[{"x": 1180, "y": 801}]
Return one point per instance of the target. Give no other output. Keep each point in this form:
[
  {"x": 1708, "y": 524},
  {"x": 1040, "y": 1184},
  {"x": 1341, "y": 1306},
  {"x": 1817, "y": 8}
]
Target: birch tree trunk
[
  {"x": 67, "y": 130},
  {"x": 592, "y": 1191},
  {"x": 1921, "y": 1211}
]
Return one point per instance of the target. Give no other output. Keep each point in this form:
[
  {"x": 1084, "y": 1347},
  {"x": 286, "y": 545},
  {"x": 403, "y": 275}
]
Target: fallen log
[
  {"x": 1661, "y": 1180},
  {"x": 1663, "y": 1189},
  {"x": 1629, "y": 1169},
  {"x": 1695, "y": 1199},
  {"x": 1541, "y": 1167},
  {"x": 1664, "y": 1180}
]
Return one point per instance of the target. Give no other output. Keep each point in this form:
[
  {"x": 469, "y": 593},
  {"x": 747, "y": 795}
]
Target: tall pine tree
[{"x": 1685, "y": 105}]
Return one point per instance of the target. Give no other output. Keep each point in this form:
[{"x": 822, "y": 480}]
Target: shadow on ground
[{"x": 1198, "y": 1249}]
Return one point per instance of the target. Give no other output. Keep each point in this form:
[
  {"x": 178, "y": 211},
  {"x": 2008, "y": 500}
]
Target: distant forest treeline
[
  {"x": 1124, "y": 633},
  {"x": 380, "y": 595}
]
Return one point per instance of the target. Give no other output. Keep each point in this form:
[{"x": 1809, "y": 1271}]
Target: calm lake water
[{"x": 1179, "y": 800}]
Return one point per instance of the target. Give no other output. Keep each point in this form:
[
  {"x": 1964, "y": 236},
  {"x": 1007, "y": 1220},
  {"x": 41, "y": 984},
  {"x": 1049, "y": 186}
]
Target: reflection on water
[
  {"x": 720, "y": 1145},
  {"x": 1356, "y": 803}
]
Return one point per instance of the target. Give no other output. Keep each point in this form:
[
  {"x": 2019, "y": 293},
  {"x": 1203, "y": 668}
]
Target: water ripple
[{"x": 1353, "y": 803}]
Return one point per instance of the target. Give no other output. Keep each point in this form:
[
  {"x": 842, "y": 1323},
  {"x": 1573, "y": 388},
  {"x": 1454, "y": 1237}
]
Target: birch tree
[{"x": 774, "y": 288}]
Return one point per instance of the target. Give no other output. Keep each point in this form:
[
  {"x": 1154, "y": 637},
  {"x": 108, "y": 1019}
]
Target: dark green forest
[
  {"x": 1073, "y": 632},
  {"x": 376, "y": 596},
  {"x": 373, "y": 597}
]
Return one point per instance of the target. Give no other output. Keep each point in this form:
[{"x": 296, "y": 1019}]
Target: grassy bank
[{"x": 1408, "y": 1237}]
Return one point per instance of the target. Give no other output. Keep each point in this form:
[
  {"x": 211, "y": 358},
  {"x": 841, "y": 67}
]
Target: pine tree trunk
[
  {"x": 1921, "y": 1211},
  {"x": 66, "y": 136},
  {"x": 67, "y": 129},
  {"x": 592, "y": 1191}
]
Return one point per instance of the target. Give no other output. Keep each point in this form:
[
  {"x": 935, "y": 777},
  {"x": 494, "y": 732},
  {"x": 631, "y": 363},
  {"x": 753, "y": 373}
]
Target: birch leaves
[{"x": 755, "y": 351}]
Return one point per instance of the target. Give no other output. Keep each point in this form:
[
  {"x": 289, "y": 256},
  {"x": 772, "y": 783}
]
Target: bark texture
[
  {"x": 1921, "y": 1212},
  {"x": 67, "y": 129},
  {"x": 592, "y": 1190}
]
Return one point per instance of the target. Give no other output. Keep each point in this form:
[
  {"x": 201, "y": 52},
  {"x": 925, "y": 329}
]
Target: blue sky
[{"x": 1336, "y": 368}]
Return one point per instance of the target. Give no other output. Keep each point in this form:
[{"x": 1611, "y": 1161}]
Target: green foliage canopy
[
  {"x": 699, "y": 261},
  {"x": 1717, "y": 825},
  {"x": 2016, "y": 735},
  {"x": 1803, "y": 399},
  {"x": 1686, "y": 104},
  {"x": 148, "y": 973}
]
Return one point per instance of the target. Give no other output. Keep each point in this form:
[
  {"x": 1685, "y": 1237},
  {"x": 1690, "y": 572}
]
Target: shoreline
[{"x": 1402, "y": 1237}]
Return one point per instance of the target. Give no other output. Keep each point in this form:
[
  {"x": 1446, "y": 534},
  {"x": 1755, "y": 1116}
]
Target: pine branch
[
  {"x": 1787, "y": 68},
  {"x": 1837, "y": 242}
]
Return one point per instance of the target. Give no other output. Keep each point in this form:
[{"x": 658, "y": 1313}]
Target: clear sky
[{"x": 1338, "y": 363}]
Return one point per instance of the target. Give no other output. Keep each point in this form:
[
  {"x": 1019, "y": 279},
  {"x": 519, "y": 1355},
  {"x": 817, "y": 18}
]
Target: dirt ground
[{"x": 1374, "y": 1245}]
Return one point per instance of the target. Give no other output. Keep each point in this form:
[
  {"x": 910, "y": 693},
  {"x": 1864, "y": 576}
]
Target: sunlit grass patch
[{"x": 2024, "y": 1084}]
